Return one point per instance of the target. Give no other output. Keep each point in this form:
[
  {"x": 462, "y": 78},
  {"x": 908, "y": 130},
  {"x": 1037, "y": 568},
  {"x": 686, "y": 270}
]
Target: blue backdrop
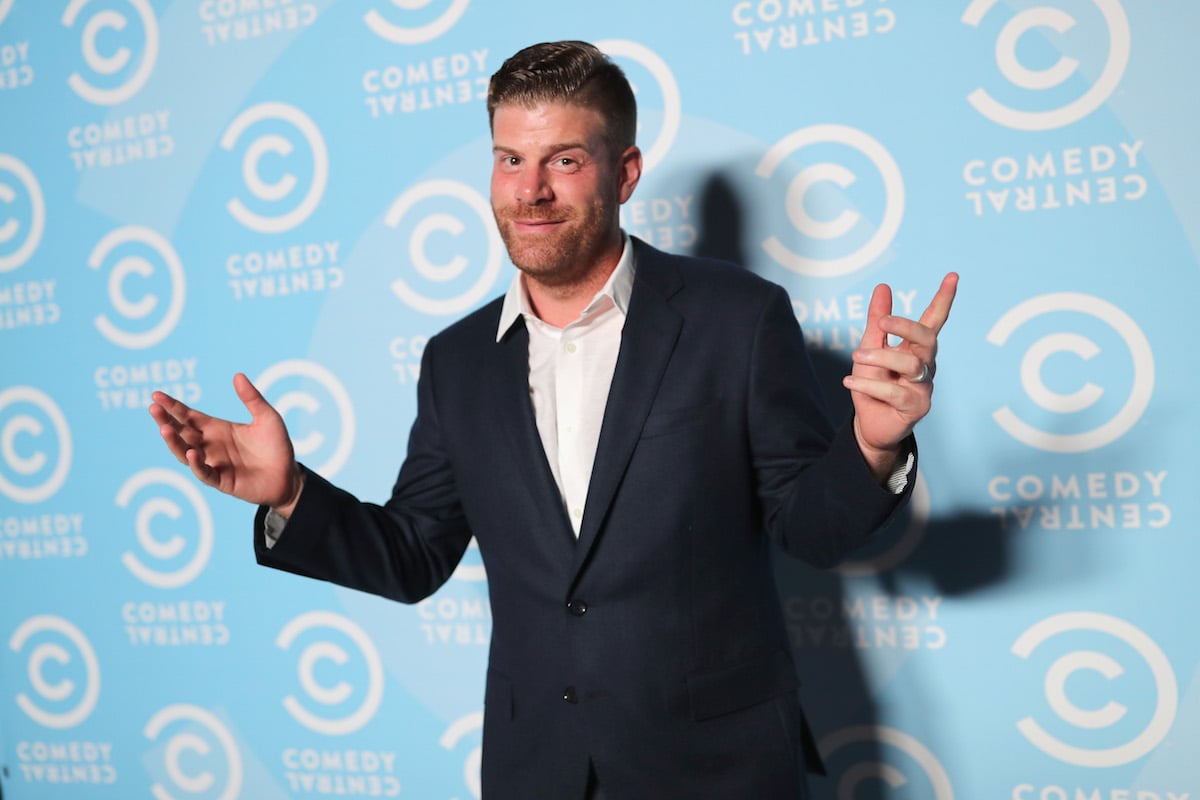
[{"x": 297, "y": 189}]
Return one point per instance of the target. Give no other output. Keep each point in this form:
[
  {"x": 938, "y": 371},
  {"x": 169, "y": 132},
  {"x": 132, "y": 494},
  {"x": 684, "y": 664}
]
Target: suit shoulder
[
  {"x": 476, "y": 328},
  {"x": 726, "y": 281}
]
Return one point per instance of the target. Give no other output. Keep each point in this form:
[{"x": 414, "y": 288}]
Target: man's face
[{"x": 557, "y": 189}]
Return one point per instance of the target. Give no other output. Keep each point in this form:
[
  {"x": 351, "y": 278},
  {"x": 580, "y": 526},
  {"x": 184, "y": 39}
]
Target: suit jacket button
[
  {"x": 570, "y": 696},
  {"x": 577, "y": 607}
]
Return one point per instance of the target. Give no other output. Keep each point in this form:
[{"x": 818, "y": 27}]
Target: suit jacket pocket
[
  {"x": 716, "y": 692},
  {"x": 669, "y": 420}
]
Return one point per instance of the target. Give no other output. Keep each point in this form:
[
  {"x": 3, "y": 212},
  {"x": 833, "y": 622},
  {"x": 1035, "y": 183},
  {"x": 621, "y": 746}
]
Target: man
[{"x": 623, "y": 433}]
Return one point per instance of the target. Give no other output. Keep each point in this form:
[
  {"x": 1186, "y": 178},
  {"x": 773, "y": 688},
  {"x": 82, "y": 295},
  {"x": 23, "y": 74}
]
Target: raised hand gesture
[
  {"x": 892, "y": 386},
  {"x": 252, "y": 461}
]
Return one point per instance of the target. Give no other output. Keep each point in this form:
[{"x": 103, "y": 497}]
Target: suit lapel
[
  {"x": 647, "y": 341},
  {"x": 533, "y": 471}
]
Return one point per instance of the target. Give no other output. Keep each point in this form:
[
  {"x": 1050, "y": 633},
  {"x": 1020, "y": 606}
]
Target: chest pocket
[{"x": 671, "y": 420}]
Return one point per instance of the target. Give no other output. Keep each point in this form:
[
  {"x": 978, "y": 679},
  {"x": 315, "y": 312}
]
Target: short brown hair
[{"x": 573, "y": 72}]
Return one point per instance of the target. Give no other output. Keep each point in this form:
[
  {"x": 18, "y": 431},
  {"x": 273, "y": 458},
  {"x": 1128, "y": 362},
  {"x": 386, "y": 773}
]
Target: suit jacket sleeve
[
  {"x": 403, "y": 550},
  {"x": 819, "y": 499}
]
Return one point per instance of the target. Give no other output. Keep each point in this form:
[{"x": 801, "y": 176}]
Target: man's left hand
[{"x": 892, "y": 385}]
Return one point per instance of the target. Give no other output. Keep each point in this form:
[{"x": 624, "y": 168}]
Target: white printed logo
[
  {"x": 662, "y": 75},
  {"x": 895, "y": 555},
  {"x": 421, "y": 33},
  {"x": 113, "y": 66},
  {"x": 847, "y": 242},
  {"x": 277, "y": 208},
  {"x": 135, "y": 240},
  {"x": 1034, "y": 366},
  {"x": 1090, "y": 718},
  {"x": 933, "y": 773},
  {"x": 69, "y": 701},
  {"x": 171, "y": 549},
  {"x": 30, "y": 474},
  {"x": 188, "y": 758},
  {"x": 340, "y": 694},
  {"x": 296, "y": 400},
  {"x": 11, "y": 229},
  {"x": 450, "y": 739},
  {"x": 450, "y": 225},
  {"x": 1066, "y": 68}
]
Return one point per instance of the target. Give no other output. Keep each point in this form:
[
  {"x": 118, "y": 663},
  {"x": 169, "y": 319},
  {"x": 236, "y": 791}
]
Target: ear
[{"x": 629, "y": 171}]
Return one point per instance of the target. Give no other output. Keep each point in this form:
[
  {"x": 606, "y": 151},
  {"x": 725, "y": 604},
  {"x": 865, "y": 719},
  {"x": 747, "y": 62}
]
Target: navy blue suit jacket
[{"x": 653, "y": 646}]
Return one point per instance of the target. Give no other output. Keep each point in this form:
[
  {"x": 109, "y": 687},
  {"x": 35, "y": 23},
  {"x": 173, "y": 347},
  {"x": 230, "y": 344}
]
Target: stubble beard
[{"x": 559, "y": 258}]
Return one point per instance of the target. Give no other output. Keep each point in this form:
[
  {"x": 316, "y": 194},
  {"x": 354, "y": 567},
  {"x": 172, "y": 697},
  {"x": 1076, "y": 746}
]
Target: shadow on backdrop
[{"x": 949, "y": 556}]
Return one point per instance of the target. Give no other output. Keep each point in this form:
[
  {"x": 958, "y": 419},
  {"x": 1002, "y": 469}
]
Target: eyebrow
[{"x": 554, "y": 148}]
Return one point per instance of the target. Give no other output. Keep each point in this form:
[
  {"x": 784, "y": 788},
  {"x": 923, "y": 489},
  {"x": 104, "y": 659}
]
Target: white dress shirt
[{"x": 570, "y": 371}]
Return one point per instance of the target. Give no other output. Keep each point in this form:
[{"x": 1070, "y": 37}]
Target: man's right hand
[{"x": 254, "y": 462}]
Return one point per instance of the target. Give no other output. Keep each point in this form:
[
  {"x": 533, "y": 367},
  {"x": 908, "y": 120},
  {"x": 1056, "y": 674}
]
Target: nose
[{"x": 532, "y": 187}]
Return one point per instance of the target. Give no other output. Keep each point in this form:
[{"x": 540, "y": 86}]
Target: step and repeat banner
[{"x": 298, "y": 189}]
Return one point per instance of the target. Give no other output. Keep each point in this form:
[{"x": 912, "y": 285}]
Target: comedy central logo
[
  {"x": 467, "y": 728},
  {"x": 64, "y": 675},
  {"x": 199, "y": 755},
  {"x": 1122, "y": 655},
  {"x": 288, "y": 384},
  {"x": 146, "y": 256},
  {"x": 870, "y": 754},
  {"x": 663, "y": 79},
  {"x": 116, "y": 74},
  {"x": 174, "y": 563},
  {"x": 830, "y": 208},
  {"x": 1031, "y": 87},
  {"x": 287, "y": 146},
  {"x": 445, "y": 222},
  {"x": 417, "y": 26},
  {"x": 35, "y": 456},
  {"x": 1060, "y": 326},
  {"x": 22, "y": 212},
  {"x": 351, "y": 702}
]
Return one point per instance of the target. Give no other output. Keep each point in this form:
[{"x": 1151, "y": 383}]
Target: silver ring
[{"x": 924, "y": 377}]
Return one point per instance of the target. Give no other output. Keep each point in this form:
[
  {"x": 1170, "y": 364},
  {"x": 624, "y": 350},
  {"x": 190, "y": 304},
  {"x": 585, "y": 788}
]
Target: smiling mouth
[{"x": 534, "y": 224}]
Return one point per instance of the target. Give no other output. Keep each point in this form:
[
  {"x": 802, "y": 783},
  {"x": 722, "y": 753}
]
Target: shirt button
[
  {"x": 577, "y": 607},
  {"x": 577, "y": 512},
  {"x": 570, "y": 696},
  {"x": 570, "y": 347}
]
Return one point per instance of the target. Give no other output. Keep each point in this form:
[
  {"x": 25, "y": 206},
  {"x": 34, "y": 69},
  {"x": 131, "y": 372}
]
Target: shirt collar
[{"x": 618, "y": 288}]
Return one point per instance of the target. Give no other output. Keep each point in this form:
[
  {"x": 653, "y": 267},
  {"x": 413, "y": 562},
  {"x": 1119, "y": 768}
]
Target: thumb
[{"x": 251, "y": 398}]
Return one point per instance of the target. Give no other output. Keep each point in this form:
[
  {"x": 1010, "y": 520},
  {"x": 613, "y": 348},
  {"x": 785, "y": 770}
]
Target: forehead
[{"x": 517, "y": 126}]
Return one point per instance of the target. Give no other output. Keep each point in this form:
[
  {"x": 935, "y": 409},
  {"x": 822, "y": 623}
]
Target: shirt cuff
[
  {"x": 897, "y": 482},
  {"x": 274, "y": 524}
]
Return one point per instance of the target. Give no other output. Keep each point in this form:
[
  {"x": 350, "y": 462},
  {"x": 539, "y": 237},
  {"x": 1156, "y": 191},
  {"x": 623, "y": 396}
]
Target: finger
[
  {"x": 938, "y": 311},
  {"x": 204, "y": 473},
  {"x": 161, "y": 416},
  {"x": 175, "y": 443},
  {"x": 251, "y": 398},
  {"x": 908, "y": 399},
  {"x": 914, "y": 333},
  {"x": 176, "y": 410},
  {"x": 904, "y": 363},
  {"x": 879, "y": 307}
]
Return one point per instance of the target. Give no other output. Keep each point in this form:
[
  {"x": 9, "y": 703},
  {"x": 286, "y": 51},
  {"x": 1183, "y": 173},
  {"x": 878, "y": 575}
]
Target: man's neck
[{"x": 561, "y": 304}]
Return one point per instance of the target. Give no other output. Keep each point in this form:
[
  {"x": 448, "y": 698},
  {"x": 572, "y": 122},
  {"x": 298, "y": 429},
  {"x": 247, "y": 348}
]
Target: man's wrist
[
  {"x": 882, "y": 462},
  {"x": 296, "y": 483}
]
